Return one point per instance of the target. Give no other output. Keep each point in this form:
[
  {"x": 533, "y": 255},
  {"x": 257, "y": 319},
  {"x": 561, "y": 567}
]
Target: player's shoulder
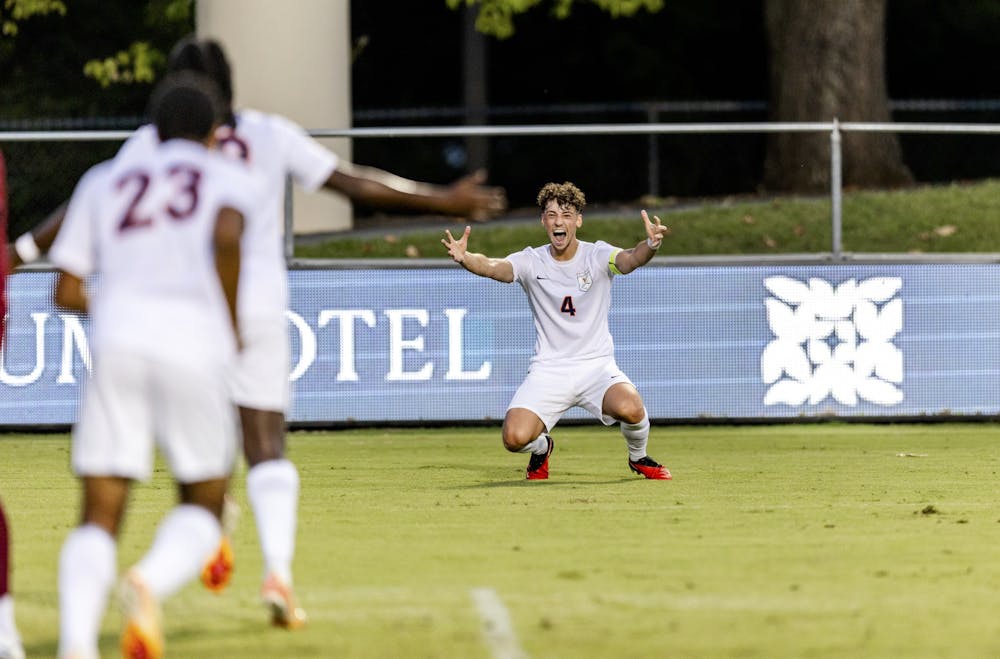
[
  {"x": 97, "y": 174},
  {"x": 601, "y": 247},
  {"x": 143, "y": 141},
  {"x": 528, "y": 253},
  {"x": 248, "y": 120}
]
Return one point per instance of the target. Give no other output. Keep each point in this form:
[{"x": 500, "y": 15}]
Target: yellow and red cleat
[
  {"x": 277, "y": 597},
  {"x": 142, "y": 637},
  {"x": 218, "y": 572}
]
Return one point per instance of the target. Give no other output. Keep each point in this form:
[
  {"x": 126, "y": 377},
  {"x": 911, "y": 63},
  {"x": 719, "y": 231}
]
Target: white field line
[{"x": 497, "y": 628}]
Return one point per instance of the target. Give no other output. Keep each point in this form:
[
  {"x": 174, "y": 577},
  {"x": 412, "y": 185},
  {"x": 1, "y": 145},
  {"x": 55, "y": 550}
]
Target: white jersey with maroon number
[
  {"x": 274, "y": 148},
  {"x": 145, "y": 221},
  {"x": 570, "y": 301}
]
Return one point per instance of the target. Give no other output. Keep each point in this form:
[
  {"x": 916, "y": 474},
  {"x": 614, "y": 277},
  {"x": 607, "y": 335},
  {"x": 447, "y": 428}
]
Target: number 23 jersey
[
  {"x": 569, "y": 300},
  {"x": 145, "y": 224}
]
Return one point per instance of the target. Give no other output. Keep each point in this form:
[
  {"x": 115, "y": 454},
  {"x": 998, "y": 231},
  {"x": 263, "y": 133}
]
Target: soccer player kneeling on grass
[{"x": 568, "y": 284}]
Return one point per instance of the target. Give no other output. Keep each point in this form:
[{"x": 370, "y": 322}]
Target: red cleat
[
  {"x": 650, "y": 468},
  {"x": 538, "y": 465}
]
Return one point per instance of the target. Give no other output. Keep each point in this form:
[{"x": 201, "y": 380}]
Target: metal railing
[{"x": 835, "y": 129}]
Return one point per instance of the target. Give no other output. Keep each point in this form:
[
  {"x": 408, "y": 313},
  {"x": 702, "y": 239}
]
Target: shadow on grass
[{"x": 548, "y": 483}]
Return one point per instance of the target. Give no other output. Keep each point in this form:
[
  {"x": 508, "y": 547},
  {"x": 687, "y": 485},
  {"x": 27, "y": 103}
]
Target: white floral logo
[{"x": 833, "y": 341}]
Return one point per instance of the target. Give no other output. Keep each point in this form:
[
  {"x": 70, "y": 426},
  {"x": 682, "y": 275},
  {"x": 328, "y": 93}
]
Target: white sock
[
  {"x": 273, "y": 490},
  {"x": 539, "y": 445},
  {"x": 186, "y": 538},
  {"x": 8, "y": 629},
  {"x": 637, "y": 437},
  {"x": 87, "y": 567}
]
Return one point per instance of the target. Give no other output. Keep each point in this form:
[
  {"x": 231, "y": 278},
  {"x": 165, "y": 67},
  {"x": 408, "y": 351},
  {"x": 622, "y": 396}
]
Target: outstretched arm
[
  {"x": 628, "y": 260},
  {"x": 477, "y": 264},
  {"x": 31, "y": 245},
  {"x": 467, "y": 197}
]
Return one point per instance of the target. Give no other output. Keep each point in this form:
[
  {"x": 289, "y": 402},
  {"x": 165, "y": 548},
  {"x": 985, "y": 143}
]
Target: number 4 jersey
[
  {"x": 145, "y": 225},
  {"x": 570, "y": 301}
]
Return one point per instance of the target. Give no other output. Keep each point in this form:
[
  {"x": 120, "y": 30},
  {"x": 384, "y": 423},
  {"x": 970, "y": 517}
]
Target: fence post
[
  {"x": 289, "y": 220},
  {"x": 836, "y": 192}
]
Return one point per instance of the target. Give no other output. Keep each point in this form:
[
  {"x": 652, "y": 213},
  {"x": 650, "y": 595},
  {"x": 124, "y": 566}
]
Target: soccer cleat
[
  {"x": 142, "y": 637},
  {"x": 218, "y": 571},
  {"x": 277, "y": 596},
  {"x": 538, "y": 465},
  {"x": 650, "y": 468}
]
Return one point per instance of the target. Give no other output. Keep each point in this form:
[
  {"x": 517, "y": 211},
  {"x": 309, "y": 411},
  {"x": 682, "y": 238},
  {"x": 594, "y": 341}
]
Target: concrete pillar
[{"x": 293, "y": 59}]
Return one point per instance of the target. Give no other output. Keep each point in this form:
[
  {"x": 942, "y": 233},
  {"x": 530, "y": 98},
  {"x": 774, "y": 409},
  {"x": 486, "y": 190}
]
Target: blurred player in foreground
[
  {"x": 568, "y": 284},
  {"x": 163, "y": 230},
  {"x": 275, "y": 147},
  {"x": 10, "y": 640}
]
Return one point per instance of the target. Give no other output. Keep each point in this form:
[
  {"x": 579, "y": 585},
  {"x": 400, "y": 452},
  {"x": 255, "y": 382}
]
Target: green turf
[
  {"x": 772, "y": 541},
  {"x": 940, "y": 218}
]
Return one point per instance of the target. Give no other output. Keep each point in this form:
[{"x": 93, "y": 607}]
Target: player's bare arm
[
  {"x": 477, "y": 264},
  {"x": 31, "y": 245},
  {"x": 467, "y": 197},
  {"x": 228, "y": 231},
  {"x": 628, "y": 260},
  {"x": 71, "y": 293}
]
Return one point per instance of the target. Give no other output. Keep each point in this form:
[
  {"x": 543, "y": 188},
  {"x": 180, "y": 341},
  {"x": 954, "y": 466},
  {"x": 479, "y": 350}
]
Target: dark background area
[{"x": 588, "y": 68}]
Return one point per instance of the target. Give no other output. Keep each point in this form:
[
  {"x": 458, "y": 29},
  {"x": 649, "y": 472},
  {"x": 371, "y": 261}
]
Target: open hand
[
  {"x": 654, "y": 232},
  {"x": 457, "y": 248},
  {"x": 468, "y": 197}
]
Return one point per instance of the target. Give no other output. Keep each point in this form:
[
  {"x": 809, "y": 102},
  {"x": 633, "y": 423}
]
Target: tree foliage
[
  {"x": 496, "y": 17},
  {"x": 42, "y": 85},
  {"x": 17, "y": 11},
  {"x": 141, "y": 60},
  {"x": 136, "y": 63}
]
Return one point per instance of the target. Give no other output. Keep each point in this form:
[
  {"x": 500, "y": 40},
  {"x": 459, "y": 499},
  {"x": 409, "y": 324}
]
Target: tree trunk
[
  {"x": 828, "y": 62},
  {"x": 475, "y": 90}
]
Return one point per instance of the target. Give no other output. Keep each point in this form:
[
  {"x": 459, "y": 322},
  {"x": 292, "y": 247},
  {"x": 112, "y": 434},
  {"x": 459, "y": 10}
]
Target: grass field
[
  {"x": 826, "y": 540},
  {"x": 922, "y": 219}
]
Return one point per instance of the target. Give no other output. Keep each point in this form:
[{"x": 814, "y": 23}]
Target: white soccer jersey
[
  {"x": 273, "y": 147},
  {"x": 570, "y": 301},
  {"x": 145, "y": 222}
]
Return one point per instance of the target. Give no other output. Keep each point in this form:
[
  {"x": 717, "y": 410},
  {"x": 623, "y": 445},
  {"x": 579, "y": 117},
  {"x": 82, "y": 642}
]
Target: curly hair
[{"x": 564, "y": 194}]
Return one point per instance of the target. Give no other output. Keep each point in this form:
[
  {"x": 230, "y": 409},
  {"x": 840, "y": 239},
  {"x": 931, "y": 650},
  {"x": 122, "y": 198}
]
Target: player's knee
[
  {"x": 632, "y": 412},
  {"x": 514, "y": 440}
]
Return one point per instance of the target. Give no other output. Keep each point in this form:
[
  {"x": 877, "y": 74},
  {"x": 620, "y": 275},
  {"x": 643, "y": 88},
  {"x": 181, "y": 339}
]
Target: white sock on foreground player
[
  {"x": 185, "y": 539},
  {"x": 87, "y": 567},
  {"x": 273, "y": 490}
]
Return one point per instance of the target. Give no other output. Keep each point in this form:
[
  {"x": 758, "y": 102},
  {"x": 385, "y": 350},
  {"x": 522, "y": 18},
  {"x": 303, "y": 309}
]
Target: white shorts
[
  {"x": 131, "y": 402},
  {"x": 551, "y": 391},
  {"x": 260, "y": 379}
]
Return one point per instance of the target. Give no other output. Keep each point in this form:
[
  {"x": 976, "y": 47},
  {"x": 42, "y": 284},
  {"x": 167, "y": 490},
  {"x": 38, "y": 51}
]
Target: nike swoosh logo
[{"x": 540, "y": 277}]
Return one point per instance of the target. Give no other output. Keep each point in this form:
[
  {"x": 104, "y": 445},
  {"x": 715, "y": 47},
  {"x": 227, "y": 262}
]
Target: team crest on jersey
[{"x": 584, "y": 280}]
